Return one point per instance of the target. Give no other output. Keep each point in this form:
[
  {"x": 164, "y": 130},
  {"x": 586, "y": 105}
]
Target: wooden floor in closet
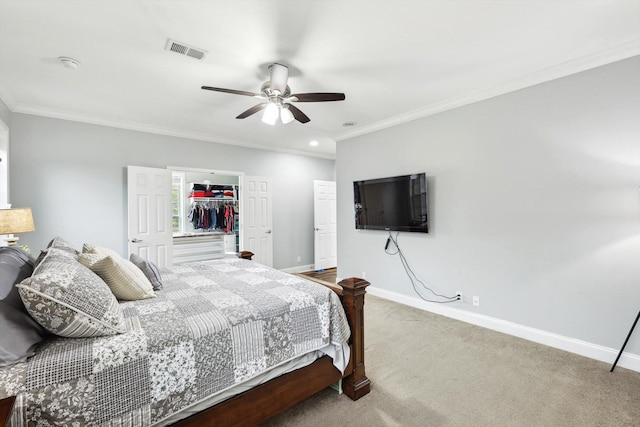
[{"x": 328, "y": 275}]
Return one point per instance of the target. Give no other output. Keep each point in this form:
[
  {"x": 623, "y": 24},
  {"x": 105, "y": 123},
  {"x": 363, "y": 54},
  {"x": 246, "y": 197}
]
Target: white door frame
[{"x": 204, "y": 170}]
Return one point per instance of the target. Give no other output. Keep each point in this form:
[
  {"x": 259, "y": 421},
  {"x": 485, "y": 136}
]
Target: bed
[{"x": 224, "y": 342}]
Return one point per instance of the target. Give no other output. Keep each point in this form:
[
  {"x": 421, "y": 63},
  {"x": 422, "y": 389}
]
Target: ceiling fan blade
[
  {"x": 318, "y": 97},
  {"x": 232, "y": 91},
  {"x": 299, "y": 115},
  {"x": 279, "y": 77},
  {"x": 252, "y": 110}
]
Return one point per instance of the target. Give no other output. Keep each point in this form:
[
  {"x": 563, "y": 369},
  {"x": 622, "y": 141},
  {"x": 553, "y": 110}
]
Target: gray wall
[
  {"x": 534, "y": 205},
  {"x": 73, "y": 176},
  {"x": 5, "y": 114}
]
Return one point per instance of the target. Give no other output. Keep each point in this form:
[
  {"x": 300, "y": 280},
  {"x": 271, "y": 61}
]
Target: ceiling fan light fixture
[
  {"x": 286, "y": 115},
  {"x": 278, "y": 98},
  {"x": 271, "y": 114}
]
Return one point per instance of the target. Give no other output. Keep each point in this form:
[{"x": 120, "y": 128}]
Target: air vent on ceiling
[{"x": 184, "y": 49}]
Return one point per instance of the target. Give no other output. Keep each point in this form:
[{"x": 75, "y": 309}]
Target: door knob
[
  {"x": 268, "y": 231},
  {"x": 135, "y": 240}
]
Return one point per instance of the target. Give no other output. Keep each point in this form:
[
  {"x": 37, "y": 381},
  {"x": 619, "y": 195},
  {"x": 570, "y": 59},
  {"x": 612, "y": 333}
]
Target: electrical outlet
[
  {"x": 299, "y": 258},
  {"x": 476, "y": 301},
  {"x": 459, "y": 295},
  {"x": 364, "y": 276}
]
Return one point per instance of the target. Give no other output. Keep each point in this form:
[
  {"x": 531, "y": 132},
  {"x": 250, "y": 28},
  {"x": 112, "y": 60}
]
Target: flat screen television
[{"x": 397, "y": 203}]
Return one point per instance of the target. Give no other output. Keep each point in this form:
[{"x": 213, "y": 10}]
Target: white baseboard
[
  {"x": 583, "y": 348},
  {"x": 298, "y": 269}
]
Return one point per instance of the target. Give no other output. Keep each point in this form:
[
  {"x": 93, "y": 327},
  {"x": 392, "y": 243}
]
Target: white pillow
[{"x": 126, "y": 281}]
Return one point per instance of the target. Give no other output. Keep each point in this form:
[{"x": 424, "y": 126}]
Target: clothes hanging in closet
[{"x": 213, "y": 216}]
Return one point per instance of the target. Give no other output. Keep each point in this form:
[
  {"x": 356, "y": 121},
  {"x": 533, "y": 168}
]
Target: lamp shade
[
  {"x": 271, "y": 114},
  {"x": 16, "y": 221},
  {"x": 285, "y": 115}
]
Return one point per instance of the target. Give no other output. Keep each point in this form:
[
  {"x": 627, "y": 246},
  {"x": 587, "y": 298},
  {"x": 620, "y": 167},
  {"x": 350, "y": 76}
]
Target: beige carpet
[{"x": 429, "y": 370}]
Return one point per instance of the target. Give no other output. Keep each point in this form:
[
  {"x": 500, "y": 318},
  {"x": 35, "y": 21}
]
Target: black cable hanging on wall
[{"x": 412, "y": 275}]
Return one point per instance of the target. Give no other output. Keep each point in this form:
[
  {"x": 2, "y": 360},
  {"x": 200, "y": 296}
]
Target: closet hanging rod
[{"x": 212, "y": 199}]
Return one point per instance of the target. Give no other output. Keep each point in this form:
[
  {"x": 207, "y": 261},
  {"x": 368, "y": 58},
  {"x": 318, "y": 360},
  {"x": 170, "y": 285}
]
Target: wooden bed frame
[{"x": 266, "y": 400}]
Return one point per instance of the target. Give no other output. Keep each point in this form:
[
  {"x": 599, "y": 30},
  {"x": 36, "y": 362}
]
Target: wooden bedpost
[
  {"x": 5, "y": 409},
  {"x": 356, "y": 384},
  {"x": 245, "y": 255}
]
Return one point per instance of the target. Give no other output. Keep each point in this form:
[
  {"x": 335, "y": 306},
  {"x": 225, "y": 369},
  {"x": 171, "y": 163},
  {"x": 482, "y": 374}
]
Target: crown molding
[
  {"x": 83, "y": 118},
  {"x": 7, "y": 97},
  {"x": 617, "y": 53},
  {"x": 608, "y": 56}
]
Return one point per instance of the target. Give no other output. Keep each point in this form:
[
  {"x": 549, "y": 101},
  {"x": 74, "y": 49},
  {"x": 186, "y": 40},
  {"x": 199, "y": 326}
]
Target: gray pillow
[
  {"x": 20, "y": 333},
  {"x": 70, "y": 300},
  {"x": 59, "y": 243},
  {"x": 149, "y": 269}
]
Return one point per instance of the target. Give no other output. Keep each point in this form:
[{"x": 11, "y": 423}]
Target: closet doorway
[
  {"x": 205, "y": 214},
  {"x": 164, "y": 215}
]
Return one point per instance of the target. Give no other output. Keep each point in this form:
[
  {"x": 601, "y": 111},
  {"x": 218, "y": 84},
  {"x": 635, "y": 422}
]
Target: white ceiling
[{"x": 395, "y": 60}]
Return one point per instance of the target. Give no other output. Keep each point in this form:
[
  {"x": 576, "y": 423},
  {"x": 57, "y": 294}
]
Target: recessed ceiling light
[
  {"x": 69, "y": 62},
  {"x": 313, "y": 143},
  {"x": 347, "y": 124}
]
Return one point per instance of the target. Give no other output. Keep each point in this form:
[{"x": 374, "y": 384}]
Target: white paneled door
[
  {"x": 149, "y": 212},
  {"x": 325, "y": 225},
  {"x": 256, "y": 222}
]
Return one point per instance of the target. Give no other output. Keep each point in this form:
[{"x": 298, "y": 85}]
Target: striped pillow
[{"x": 126, "y": 281}]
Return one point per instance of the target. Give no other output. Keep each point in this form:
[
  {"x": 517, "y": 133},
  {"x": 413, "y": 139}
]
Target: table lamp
[{"x": 19, "y": 220}]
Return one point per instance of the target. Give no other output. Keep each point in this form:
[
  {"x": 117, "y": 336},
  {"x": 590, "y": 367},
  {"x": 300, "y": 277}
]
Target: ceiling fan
[{"x": 278, "y": 98}]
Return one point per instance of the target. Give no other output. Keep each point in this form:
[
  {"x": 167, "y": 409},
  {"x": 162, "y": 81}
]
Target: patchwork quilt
[{"x": 214, "y": 324}]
